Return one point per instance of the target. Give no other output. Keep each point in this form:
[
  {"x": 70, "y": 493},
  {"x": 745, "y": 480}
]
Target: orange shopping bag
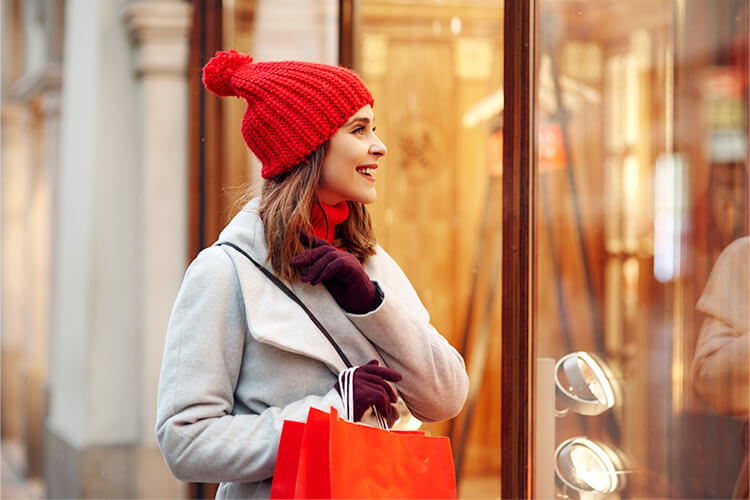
[{"x": 340, "y": 459}]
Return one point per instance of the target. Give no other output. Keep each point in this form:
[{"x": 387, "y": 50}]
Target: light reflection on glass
[
  {"x": 668, "y": 214},
  {"x": 595, "y": 386},
  {"x": 585, "y": 467},
  {"x": 589, "y": 469}
]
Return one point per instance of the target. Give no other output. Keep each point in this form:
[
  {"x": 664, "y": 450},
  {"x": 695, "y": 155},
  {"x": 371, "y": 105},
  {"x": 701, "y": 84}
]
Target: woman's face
[{"x": 350, "y": 163}]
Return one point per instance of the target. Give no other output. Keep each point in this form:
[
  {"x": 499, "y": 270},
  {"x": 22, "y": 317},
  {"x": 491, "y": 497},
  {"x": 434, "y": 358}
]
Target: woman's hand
[
  {"x": 340, "y": 272},
  {"x": 371, "y": 388}
]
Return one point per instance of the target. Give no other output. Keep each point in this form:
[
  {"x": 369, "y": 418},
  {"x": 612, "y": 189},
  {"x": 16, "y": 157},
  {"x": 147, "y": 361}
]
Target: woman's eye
[{"x": 358, "y": 130}]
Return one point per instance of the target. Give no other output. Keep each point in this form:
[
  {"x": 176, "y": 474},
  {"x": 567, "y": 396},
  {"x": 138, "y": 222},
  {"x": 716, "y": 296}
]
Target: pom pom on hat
[
  {"x": 218, "y": 72},
  {"x": 293, "y": 107}
]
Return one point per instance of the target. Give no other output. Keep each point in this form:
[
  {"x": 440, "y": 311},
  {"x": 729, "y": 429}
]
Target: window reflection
[
  {"x": 720, "y": 368},
  {"x": 651, "y": 100}
]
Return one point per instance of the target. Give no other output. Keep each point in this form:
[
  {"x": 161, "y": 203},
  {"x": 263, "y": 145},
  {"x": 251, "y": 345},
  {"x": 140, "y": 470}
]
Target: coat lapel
[{"x": 272, "y": 317}]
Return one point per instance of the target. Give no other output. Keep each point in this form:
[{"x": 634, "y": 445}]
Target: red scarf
[{"x": 325, "y": 218}]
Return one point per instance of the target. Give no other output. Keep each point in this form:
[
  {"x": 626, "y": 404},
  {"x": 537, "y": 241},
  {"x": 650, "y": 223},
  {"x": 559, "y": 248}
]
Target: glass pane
[
  {"x": 642, "y": 249},
  {"x": 435, "y": 69}
]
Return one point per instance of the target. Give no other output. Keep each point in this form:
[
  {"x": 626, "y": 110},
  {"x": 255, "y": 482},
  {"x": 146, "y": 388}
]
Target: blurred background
[{"x": 117, "y": 168}]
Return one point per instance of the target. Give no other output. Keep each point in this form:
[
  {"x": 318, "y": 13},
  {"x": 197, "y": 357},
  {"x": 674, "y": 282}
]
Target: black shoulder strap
[{"x": 276, "y": 281}]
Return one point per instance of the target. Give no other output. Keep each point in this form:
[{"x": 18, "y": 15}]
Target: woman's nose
[{"x": 378, "y": 148}]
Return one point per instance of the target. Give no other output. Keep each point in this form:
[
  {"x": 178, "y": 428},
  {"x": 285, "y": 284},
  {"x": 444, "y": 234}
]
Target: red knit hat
[{"x": 292, "y": 106}]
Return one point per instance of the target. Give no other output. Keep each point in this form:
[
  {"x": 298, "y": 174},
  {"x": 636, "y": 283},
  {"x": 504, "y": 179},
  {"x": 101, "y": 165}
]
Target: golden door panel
[{"x": 435, "y": 69}]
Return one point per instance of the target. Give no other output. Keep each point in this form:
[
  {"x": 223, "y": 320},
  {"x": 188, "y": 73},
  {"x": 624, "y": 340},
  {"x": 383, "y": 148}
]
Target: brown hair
[{"x": 286, "y": 203}]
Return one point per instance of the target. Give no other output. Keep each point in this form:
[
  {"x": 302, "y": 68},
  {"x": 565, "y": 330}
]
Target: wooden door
[{"x": 435, "y": 70}]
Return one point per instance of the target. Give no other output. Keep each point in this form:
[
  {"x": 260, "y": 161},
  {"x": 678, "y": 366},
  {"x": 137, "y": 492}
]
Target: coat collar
[{"x": 246, "y": 231}]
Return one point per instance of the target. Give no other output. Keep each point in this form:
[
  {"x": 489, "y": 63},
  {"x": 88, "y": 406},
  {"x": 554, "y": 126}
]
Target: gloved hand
[
  {"x": 340, "y": 272},
  {"x": 371, "y": 389}
]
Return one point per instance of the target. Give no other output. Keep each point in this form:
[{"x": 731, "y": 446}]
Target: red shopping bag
[
  {"x": 287, "y": 460},
  {"x": 340, "y": 459}
]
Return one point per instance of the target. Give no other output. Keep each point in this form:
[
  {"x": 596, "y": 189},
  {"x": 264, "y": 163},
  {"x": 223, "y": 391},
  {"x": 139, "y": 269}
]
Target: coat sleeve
[
  {"x": 200, "y": 438},
  {"x": 721, "y": 365},
  {"x": 721, "y": 368},
  {"x": 435, "y": 383}
]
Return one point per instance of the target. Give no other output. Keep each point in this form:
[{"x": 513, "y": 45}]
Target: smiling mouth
[{"x": 368, "y": 172}]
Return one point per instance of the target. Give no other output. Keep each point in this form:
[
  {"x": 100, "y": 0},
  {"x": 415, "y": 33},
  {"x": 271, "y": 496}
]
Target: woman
[
  {"x": 721, "y": 365},
  {"x": 241, "y": 356}
]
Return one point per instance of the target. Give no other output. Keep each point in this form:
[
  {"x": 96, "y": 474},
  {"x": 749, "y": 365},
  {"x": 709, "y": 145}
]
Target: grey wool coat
[{"x": 241, "y": 357}]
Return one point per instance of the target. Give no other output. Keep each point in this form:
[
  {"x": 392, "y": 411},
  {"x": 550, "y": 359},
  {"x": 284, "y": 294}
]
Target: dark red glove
[
  {"x": 371, "y": 389},
  {"x": 340, "y": 272}
]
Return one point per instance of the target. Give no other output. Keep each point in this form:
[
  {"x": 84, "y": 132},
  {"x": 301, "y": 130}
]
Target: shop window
[{"x": 634, "y": 231}]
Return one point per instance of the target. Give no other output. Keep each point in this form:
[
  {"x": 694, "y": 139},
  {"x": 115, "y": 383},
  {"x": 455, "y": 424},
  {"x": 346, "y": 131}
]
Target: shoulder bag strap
[{"x": 276, "y": 281}]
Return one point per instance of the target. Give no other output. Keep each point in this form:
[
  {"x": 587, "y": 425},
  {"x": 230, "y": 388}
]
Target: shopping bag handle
[
  {"x": 276, "y": 281},
  {"x": 346, "y": 385}
]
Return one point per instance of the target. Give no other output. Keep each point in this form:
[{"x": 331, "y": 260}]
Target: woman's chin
[{"x": 370, "y": 199}]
